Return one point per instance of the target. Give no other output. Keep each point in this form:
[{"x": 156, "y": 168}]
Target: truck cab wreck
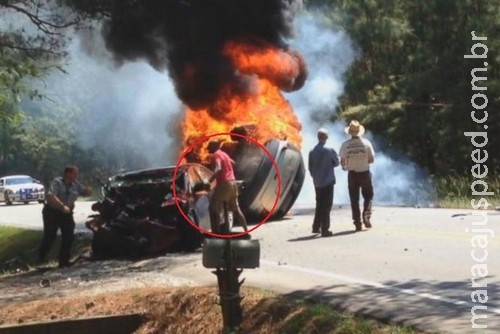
[{"x": 138, "y": 215}]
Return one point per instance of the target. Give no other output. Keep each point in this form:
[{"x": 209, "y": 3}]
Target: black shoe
[
  {"x": 367, "y": 224},
  {"x": 327, "y": 234},
  {"x": 358, "y": 226},
  {"x": 315, "y": 231}
]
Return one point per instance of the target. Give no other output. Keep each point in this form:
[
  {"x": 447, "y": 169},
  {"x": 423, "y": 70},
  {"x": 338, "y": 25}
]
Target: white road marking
[{"x": 354, "y": 280}]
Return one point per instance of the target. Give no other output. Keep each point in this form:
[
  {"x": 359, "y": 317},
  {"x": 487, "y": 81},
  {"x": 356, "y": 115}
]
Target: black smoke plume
[{"x": 187, "y": 36}]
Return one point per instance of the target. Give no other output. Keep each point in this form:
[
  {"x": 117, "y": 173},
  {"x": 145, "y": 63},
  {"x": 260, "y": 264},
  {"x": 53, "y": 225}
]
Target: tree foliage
[
  {"x": 33, "y": 35},
  {"x": 411, "y": 83}
]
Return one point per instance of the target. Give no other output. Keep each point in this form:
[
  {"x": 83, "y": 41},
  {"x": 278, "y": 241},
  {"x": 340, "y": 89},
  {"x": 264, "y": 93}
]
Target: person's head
[
  {"x": 355, "y": 129},
  {"x": 322, "y": 135},
  {"x": 213, "y": 146},
  {"x": 70, "y": 173}
]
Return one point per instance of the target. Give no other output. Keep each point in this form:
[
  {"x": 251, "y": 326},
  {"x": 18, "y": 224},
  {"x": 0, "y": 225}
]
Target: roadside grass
[
  {"x": 196, "y": 310},
  {"x": 454, "y": 191},
  {"x": 269, "y": 312},
  {"x": 19, "y": 249},
  {"x": 321, "y": 318}
]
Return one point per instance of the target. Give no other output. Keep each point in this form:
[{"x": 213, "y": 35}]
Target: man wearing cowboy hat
[
  {"x": 322, "y": 161},
  {"x": 356, "y": 155}
]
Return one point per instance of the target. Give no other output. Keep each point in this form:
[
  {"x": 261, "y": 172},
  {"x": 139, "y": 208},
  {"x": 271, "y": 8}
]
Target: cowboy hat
[
  {"x": 323, "y": 131},
  {"x": 355, "y": 129}
]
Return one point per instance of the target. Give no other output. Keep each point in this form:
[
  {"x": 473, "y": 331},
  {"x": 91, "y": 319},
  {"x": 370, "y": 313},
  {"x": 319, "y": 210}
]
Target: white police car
[{"x": 21, "y": 188}]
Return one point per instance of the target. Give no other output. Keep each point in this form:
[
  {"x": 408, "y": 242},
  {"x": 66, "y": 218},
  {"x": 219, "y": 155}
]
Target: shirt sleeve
[
  {"x": 371, "y": 151},
  {"x": 212, "y": 161},
  {"x": 309, "y": 163},
  {"x": 54, "y": 188},
  {"x": 216, "y": 164},
  {"x": 79, "y": 187},
  {"x": 335, "y": 158},
  {"x": 342, "y": 150}
]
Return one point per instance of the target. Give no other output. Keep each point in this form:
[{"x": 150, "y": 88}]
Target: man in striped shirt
[{"x": 356, "y": 155}]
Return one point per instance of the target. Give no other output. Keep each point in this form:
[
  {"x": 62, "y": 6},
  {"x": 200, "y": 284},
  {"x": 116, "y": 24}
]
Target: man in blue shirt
[{"x": 322, "y": 161}]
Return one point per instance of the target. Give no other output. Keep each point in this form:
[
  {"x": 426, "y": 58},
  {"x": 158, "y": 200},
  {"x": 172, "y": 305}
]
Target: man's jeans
[
  {"x": 363, "y": 181},
  {"x": 324, "y": 202},
  {"x": 54, "y": 220}
]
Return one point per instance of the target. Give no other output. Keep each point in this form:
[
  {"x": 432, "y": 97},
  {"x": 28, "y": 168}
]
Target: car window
[
  {"x": 17, "y": 180},
  {"x": 1, "y": 183}
]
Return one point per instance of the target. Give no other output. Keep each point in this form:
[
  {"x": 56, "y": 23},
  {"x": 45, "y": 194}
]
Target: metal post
[
  {"x": 229, "y": 286},
  {"x": 230, "y": 298},
  {"x": 228, "y": 256}
]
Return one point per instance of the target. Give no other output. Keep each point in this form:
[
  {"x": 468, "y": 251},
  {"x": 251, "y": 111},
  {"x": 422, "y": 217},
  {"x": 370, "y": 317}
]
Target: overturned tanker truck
[{"x": 137, "y": 215}]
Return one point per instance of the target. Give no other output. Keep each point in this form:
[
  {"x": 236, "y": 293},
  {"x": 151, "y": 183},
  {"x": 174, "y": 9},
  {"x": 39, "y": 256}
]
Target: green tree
[
  {"x": 411, "y": 83},
  {"x": 32, "y": 37},
  {"x": 13, "y": 70}
]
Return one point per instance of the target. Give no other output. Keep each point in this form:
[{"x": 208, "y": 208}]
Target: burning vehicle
[
  {"x": 230, "y": 62},
  {"x": 138, "y": 217},
  {"x": 263, "y": 173}
]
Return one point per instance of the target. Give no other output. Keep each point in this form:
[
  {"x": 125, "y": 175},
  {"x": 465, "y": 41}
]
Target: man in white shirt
[{"x": 356, "y": 155}]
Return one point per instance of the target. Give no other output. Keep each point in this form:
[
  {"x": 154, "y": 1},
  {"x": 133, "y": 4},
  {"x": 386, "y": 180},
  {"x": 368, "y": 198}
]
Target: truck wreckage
[{"x": 137, "y": 215}]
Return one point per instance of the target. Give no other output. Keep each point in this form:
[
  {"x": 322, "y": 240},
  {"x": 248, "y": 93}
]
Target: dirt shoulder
[{"x": 167, "y": 304}]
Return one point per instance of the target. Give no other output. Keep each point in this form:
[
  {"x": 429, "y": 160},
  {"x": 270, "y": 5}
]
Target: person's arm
[
  {"x": 84, "y": 190},
  {"x": 53, "y": 201},
  {"x": 56, "y": 203},
  {"x": 309, "y": 163},
  {"x": 335, "y": 158},
  {"x": 343, "y": 158},
  {"x": 371, "y": 153},
  {"x": 217, "y": 169}
]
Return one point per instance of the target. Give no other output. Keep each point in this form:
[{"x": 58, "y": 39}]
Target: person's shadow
[
  {"x": 309, "y": 237},
  {"x": 316, "y": 236},
  {"x": 339, "y": 234}
]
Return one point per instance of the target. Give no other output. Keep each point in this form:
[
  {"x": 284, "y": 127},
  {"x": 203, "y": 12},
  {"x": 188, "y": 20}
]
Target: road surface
[{"x": 413, "y": 267}]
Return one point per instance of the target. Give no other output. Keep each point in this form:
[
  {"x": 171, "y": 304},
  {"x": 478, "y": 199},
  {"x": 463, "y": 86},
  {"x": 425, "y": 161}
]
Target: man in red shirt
[{"x": 226, "y": 189}]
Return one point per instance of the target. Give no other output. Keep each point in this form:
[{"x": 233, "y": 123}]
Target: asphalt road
[
  {"x": 30, "y": 215},
  {"x": 413, "y": 267}
]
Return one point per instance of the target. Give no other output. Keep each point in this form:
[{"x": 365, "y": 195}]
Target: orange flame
[{"x": 269, "y": 70}]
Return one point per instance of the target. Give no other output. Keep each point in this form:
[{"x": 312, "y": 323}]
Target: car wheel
[
  {"x": 8, "y": 201},
  {"x": 26, "y": 202},
  {"x": 41, "y": 201}
]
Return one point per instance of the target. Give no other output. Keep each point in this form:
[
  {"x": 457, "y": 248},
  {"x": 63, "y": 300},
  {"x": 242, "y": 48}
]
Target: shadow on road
[
  {"x": 412, "y": 303},
  {"x": 339, "y": 234},
  {"x": 306, "y": 238},
  {"x": 316, "y": 236}
]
